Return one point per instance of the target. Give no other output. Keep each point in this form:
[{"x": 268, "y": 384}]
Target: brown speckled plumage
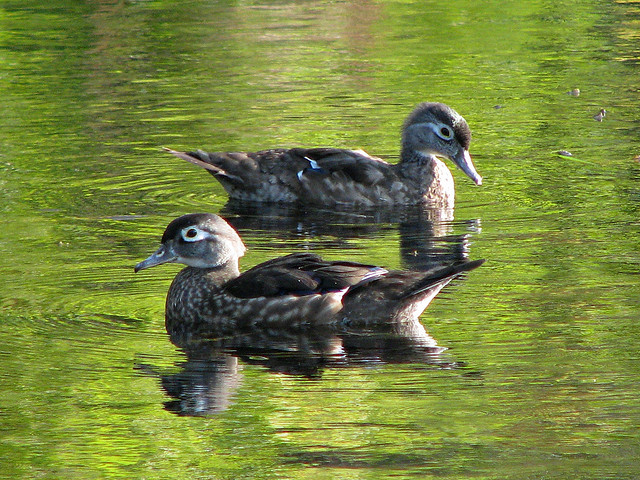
[
  {"x": 297, "y": 291},
  {"x": 332, "y": 176}
]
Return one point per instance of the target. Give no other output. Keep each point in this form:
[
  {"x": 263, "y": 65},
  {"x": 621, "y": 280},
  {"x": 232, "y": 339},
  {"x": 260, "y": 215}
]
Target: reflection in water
[
  {"x": 426, "y": 238},
  {"x": 212, "y": 372},
  {"x": 204, "y": 386},
  {"x": 209, "y": 378}
]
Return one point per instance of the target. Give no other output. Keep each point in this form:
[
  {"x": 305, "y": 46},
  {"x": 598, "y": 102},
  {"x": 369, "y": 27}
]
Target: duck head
[
  {"x": 435, "y": 129},
  {"x": 200, "y": 240}
]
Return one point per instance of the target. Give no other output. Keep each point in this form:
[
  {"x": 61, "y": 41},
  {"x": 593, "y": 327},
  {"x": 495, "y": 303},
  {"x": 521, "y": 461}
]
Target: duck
[
  {"x": 297, "y": 291},
  {"x": 334, "y": 176}
]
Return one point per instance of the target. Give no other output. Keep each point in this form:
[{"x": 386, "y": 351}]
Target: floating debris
[
  {"x": 575, "y": 92},
  {"x": 637, "y": 158},
  {"x": 498, "y": 107},
  {"x": 565, "y": 153},
  {"x": 600, "y": 115}
]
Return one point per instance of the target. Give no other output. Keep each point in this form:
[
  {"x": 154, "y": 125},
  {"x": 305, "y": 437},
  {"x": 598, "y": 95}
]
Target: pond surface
[{"x": 541, "y": 373}]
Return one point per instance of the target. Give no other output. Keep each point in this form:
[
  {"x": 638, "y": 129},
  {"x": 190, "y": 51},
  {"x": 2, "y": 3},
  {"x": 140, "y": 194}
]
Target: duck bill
[
  {"x": 164, "y": 254},
  {"x": 463, "y": 161}
]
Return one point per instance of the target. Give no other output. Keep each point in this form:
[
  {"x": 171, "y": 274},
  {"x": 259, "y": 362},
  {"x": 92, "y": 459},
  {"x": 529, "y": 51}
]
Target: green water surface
[{"x": 541, "y": 379}]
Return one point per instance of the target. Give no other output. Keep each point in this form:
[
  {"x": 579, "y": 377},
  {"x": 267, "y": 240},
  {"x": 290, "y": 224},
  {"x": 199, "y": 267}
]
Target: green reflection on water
[{"x": 546, "y": 330}]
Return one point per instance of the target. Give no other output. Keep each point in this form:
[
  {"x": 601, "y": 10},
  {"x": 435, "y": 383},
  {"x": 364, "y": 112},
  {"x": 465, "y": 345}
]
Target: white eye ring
[
  {"x": 193, "y": 234},
  {"x": 444, "y": 132}
]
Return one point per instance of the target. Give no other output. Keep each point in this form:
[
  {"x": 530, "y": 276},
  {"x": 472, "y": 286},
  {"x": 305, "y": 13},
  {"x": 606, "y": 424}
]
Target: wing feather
[{"x": 300, "y": 274}]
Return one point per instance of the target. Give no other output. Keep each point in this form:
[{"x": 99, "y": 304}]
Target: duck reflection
[
  {"x": 427, "y": 237},
  {"x": 209, "y": 378}
]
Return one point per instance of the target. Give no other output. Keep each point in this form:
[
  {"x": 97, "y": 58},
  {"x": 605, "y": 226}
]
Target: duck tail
[
  {"x": 439, "y": 275},
  {"x": 399, "y": 296},
  {"x": 417, "y": 297},
  {"x": 203, "y": 159}
]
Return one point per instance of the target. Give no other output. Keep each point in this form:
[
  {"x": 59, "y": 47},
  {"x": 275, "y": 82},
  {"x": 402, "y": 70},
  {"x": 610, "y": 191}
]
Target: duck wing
[
  {"x": 300, "y": 274},
  {"x": 354, "y": 165}
]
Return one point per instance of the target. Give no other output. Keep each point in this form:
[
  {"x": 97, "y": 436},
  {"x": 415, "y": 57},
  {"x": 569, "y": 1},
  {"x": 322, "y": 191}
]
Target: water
[{"x": 540, "y": 375}]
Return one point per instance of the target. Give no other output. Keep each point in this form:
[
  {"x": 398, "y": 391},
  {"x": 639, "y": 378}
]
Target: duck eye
[
  {"x": 445, "y": 133},
  {"x": 191, "y": 234}
]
